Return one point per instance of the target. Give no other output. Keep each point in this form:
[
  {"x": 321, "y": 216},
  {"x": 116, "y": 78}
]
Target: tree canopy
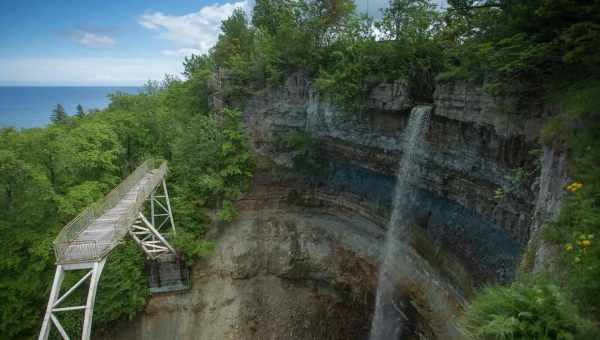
[{"x": 48, "y": 175}]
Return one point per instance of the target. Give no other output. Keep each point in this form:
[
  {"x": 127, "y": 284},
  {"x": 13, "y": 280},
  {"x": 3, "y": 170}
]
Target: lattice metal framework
[
  {"x": 150, "y": 239},
  {"x": 94, "y": 270},
  {"x": 85, "y": 242}
]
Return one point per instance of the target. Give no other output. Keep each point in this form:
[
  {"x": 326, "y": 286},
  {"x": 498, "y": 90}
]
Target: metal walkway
[{"x": 85, "y": 242}]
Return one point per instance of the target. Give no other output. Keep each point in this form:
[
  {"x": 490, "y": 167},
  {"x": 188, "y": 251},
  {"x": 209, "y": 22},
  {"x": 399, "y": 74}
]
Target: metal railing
[{"x": 66, "y": 246}]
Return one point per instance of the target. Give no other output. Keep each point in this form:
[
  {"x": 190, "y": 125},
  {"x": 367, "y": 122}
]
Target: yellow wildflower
[
  {"x": 586, "y": 243},
  {"x": 569, "y": 247},
  {"x": 574, "y": 186}
]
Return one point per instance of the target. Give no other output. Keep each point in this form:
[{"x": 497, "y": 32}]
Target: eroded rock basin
[
  {"x": 301, "y": 261},
  {"x": 297, "y": 273}
]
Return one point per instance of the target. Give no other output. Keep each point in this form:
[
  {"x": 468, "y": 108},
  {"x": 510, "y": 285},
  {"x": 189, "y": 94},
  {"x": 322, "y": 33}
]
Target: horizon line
[{"x": 38, "y": 85}]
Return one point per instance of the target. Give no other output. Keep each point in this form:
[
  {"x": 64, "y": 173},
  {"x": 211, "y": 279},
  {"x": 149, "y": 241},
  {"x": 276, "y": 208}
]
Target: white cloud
[
  {"x": 93, "y": 39},
  {"x": 195, "y": 32},
  {"x": 181, "y": 52},
  {"x": 84, "y": 71}
]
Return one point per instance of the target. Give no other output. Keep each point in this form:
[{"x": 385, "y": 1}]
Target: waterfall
[{"x": 388, "y": 316}]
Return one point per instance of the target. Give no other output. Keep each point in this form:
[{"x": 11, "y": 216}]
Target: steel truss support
[
  {"x": 149, "y": 238},
  {"x": 149, "y": 234},
  {"x": 161, "y": 215},
  {"x": 146, "y": 233},
  {"x": 93, "y": 275}
]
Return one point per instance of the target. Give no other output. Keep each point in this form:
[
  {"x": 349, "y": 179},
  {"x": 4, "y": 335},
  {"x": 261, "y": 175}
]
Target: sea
[{"x": 27, "y": 107}]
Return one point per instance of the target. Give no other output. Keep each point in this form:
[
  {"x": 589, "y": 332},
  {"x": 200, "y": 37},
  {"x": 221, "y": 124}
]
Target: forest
[
  {"x": 533, "y": 50},
  {"x": 50, "y": 174}
]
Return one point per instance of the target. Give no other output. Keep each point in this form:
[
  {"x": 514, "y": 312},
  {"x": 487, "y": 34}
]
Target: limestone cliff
[
  {"x": 301, "y": 260},
  {"x": 473, "y": 149}
]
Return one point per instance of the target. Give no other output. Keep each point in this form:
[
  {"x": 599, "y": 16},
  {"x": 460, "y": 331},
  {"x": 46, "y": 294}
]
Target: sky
[{"x": 109, "y": 42}]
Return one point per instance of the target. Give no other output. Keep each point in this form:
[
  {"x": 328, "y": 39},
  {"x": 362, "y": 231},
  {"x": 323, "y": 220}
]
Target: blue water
[{"x": 25, "y": 107}]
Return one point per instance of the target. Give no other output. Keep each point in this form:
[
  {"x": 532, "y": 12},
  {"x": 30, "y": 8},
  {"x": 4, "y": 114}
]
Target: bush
[
  {"x": 534, "y": 309},
  {"x": 578, "y": 101},
  {"x": 579, "y": 219},
  {"x": 123, "y": 287},
  {"x": 192, "y": 246}
]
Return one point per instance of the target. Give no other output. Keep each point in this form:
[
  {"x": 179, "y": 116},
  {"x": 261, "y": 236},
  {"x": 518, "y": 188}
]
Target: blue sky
[{"x": 108, "y": 42}]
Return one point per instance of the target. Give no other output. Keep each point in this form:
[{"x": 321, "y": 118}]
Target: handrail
[{"x": 67, "y": 238}]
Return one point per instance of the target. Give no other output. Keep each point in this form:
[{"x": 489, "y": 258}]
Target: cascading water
[{"x": 388, "y": 317}]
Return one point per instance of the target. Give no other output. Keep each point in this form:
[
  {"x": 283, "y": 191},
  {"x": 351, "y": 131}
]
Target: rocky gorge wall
[
  {"x": 285, "y": 270},
  {"x": 475, "y": 146},
  {"x": 301, "y": 260}
]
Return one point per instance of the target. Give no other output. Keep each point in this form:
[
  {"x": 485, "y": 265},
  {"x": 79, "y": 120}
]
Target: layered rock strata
[{"x": 301, "y": 260}]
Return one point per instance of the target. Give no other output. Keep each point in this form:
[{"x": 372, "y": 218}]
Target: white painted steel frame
[
  {"x": 93, "y": 275},
  {"x": 149, "y": 238},
  {"x": 160, "y": 211},
  {"x": 144, "y": 232}
]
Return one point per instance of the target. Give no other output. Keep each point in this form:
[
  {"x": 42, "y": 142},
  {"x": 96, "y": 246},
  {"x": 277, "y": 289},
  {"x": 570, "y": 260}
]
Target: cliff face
[
  {"x": 473, "y": 148},
  {"x": 301, "y": 260},
  {"x": 275, "y": 274},
  {"x": 281, "y": 271}
]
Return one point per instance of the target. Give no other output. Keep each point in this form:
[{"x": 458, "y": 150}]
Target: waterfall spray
[{"x": 388, "y": 317}]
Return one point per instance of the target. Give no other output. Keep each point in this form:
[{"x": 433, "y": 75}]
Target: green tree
[
  {"x": 59, "y": 115},
  {"x": 46, "y": 149},
  {"x": 26, "y": 194},
  {"x": 195, "y": 64},
  {"x": 212, "y": 154},
  {"x": 93, "y": 152},
  {"x": 80, "y": 112},
  {"x": 271, "y": 15},
  {"x": 235, "y": 39},
  {"x": 123, "y": 287},
  {"x": 78, "y": 197},
  {"x": 27, "y": 202},
  {"x": 233, "y": 53},
  {"x": 521, "y": 47},
  {"x": 409, "y": 21}
]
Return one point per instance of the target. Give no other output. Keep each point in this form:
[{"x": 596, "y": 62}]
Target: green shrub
[
  {"x": 577, "y": 102},
  {"x": 123, "y": 287},
  {"x": 193, "y": 246},
  {"x": 526, "y": 310},
  {"x": 579, "y": 218}
]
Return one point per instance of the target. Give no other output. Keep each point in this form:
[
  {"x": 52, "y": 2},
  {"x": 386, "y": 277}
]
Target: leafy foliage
[
  {"x": 213, "y": 156},
  {"x": 78, "y": 197},
  {"x": 579, "y": 220},
  {"x": 59, "y": 115},
  {"x": 512, "y": 47},
  {"x": 526, "y": 310},
  {"x": 122, "y": 290},
  {"x": 47, "y": 175},
  {"x": 516, "y": 47},
  {"x": 331, "y": 43},
  {"x": 80, "y": 112}
]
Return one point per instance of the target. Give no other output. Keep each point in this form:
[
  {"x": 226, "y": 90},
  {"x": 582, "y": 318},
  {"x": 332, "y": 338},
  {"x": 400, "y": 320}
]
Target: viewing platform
[
  {"x": 99, "y": 228},
  {"x": 86, "y": 241}
]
